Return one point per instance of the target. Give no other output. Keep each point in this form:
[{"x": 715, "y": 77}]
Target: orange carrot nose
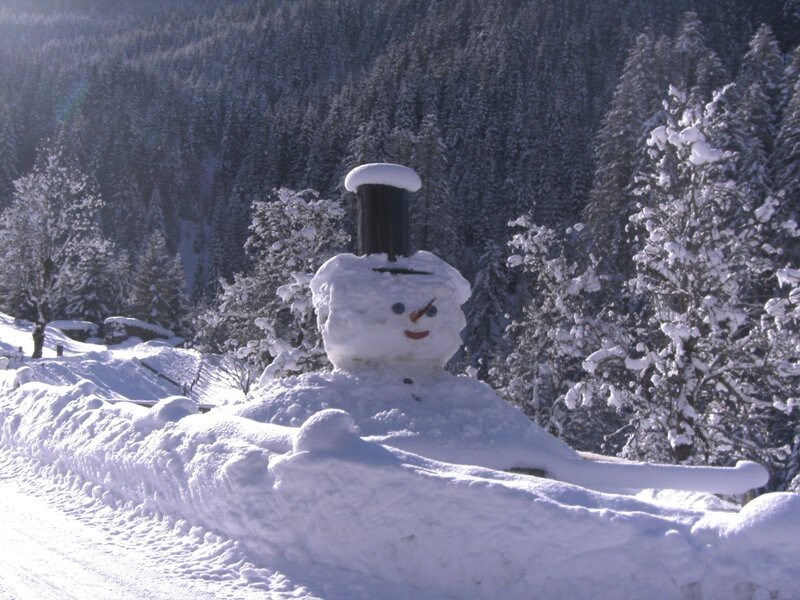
[{"x": 418, "y": 314}]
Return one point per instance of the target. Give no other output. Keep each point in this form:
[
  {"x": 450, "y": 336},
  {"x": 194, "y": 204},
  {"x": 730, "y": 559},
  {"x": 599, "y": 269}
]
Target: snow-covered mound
[
  {"x": 319, "y": 495},
  {"x": 336, "y": 496},
  {"x": 450, "y": 418},
  {"x": 461, "y": 420}
]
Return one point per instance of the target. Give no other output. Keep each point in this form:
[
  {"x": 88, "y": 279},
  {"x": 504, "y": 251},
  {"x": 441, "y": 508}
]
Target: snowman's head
[{"x": 406, "y": 313}]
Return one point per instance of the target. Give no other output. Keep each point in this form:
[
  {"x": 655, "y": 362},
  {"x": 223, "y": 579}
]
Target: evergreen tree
[
  {"x": 696, "y": 68},
  {"x": 699, "y": 371},
  {"x": 487, "y": 310},
  {"x": 370, "y": 142},
  {"x": 98, "y": 285},
  {"x": 759, "y": 89},
  {"x": 154, "y": 218},
  {"x": 157, "y": 288},
  {"x": 636, "y": 100},
  {"x": 432, "y": 223},
  {"x": 786, "y": 178},
  {"x": 8, "y": 156},
  {"x": 763, "y": 65}
]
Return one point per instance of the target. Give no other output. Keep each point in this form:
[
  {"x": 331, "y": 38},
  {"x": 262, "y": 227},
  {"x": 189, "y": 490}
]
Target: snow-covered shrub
[{"x": 265, "y": 315}]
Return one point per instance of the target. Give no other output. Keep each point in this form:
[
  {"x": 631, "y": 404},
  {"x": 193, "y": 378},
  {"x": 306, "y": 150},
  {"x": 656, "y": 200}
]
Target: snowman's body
[
  {"x": 389, "y": 328},
  {"x": 441, "y": 416},
  {"x": 389, "y": 349}
]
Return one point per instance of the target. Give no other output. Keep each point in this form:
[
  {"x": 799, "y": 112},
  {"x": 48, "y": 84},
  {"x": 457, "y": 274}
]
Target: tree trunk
[{"x": 38, "y": 339}]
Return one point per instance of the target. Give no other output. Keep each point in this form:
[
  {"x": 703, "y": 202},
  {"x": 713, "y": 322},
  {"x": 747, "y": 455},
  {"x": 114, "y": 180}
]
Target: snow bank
[
  {"x": 320, "y": 494},
  {"x": 365, "y": 475}
]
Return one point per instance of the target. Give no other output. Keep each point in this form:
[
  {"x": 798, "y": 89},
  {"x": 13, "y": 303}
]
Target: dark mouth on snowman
[{"x": 416, "y": 335}]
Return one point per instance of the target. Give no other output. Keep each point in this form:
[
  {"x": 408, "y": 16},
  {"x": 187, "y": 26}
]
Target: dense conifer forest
[{"x": 618, "y": 179}]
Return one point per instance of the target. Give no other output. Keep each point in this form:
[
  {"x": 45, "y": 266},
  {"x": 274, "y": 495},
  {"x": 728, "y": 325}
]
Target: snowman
[
  {"x": 390, "y": 321},
  {"x": 387, "y": 308}
]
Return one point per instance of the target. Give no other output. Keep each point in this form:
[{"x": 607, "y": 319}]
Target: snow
[
  {"x": 359, "y": 310},
  {"x": 50, "y": 554},
  {"x": 385, "y": 478},
  {"x": 83, "y": 326},
  {"x": 139, "y": 324},
  {"x": 593, "y": 360},
  {"x": 765, "y": 211},
  {"x": 383, "y": 174},
  {"x": 701, "y": 152}
]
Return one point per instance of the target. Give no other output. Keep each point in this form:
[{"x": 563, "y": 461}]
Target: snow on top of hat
[{"x": 383, "y": 174}]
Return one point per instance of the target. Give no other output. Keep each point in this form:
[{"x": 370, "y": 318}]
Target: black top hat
[{"x": 383, "y": 194}]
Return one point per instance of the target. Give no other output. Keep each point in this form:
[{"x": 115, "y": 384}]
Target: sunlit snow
[{"x": 377, "y": 480}]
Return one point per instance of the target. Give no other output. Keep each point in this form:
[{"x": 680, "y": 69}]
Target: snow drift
[{"x": 319, "y": 494}]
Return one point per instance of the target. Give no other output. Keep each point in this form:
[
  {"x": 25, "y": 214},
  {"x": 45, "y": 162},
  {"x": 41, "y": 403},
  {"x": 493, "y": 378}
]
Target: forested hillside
[{"x": 209, "y": 128}]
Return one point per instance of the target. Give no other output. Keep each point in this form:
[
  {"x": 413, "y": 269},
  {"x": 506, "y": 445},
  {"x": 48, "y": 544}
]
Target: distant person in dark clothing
[{"x": 38, "y": 339}]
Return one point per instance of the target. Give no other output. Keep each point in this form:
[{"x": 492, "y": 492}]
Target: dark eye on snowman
[
  {"x": 398, "y": 308},
  {"x": 432, "y": 310}
]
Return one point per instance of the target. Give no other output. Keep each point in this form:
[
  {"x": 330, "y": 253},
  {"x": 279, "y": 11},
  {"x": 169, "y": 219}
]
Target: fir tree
[
  {"x": 698, "y": 372},
  {"x": 786, "y": 175},
  {"x": 8, "y": 156},
  {"x": 487, "y": 310},
  {"x": 636, "y": 100},
  {"x": 157, "y": 289},
  {"x": 98, "y": 283},
  {"x": 432, "y": 224}
]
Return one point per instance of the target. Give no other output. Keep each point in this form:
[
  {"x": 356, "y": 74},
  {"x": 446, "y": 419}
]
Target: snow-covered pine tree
[
  {"x": 694, "y": 67},
  {"x": 370, "y": 142},
  {"x": 700, "y": 372},
  {"x": 157, "y": 287},
  {"x": 154, "y": 218},
  {"x": 8, "y": 155},
  {"x": 124, "y": 216},
  {"x": 487, "y": 310},
  {"x": 265, "y": 315},
  {"x": 636, "y": 100},
  {"x": 786, "y": 173},
  {"x": 758, "y": 92},
  {"x": 556, "y": 329},
  {"x": 763, "y": 65},
  {"x": 97, "y": 285},
  {"x": 432, "y": 224}
]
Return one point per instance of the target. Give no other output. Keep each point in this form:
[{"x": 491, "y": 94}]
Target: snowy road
[
  {"x": 60, "y": 544},
  {"x": 48, "y": 554}
]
